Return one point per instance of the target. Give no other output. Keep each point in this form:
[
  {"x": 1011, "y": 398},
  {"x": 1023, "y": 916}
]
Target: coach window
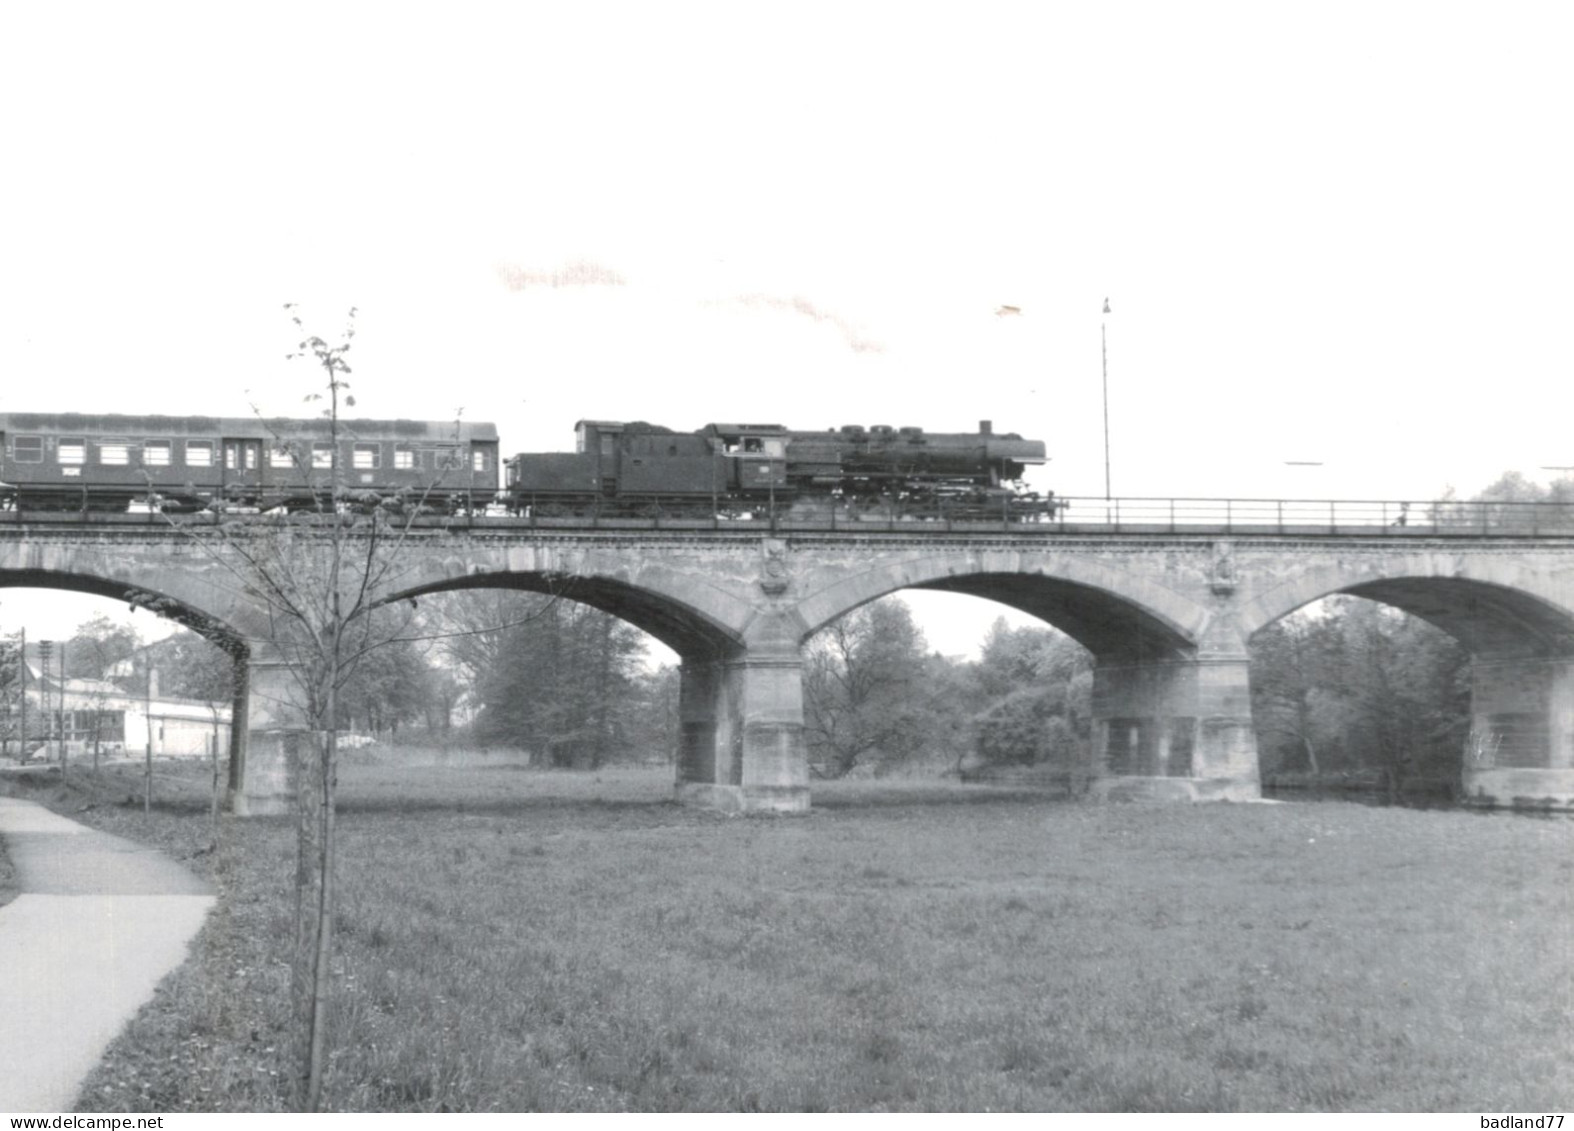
[
  {"x": 73, "y": 451},
  {"x": 199, "y": 453},
  {"x": 478, "y": 460},
  {"x": 367, "y": 457},
  {"x": 281, "y": 457},
  {"x": 322, "y": 455},
  {"x": 28, "y": 449},
  {"x": 114, "y": 455},
  {"x": 155, "y": 453},
  {"x": 404, "y": 458}
]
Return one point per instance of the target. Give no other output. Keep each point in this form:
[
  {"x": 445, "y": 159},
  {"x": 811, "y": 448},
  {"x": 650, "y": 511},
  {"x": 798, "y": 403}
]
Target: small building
[{"x": 101, "y": 715}]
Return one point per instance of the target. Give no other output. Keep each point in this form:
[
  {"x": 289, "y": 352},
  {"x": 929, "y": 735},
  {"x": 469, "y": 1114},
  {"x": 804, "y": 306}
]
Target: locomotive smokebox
[{"x": 984, "y": 426}]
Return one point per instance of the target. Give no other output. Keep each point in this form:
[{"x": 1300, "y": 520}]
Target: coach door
[{"x": 242, "y": 463}]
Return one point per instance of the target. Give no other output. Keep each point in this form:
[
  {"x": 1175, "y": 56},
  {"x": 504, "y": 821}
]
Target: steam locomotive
[
  {"x": 641, "y": 469},
  {"x": 83, "y": 462}
]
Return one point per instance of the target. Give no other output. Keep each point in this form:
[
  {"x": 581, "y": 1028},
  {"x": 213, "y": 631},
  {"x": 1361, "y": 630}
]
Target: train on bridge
[
  {"x": 79, "y": 462},
  {"x": 638, "y": 469}
]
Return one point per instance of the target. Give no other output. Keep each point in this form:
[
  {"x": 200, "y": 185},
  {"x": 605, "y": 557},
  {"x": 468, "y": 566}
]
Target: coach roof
[{"x": 245, "y": 427}]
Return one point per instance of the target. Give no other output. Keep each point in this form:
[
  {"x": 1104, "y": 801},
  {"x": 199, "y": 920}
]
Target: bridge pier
[
  {"x": 268, "y": 772},
  {"x": 240, "y": 733},
  {"x": 1175, "y": 730},
  {"x": 1521, "y": 746},
  {"x": 742, "y": 747}
]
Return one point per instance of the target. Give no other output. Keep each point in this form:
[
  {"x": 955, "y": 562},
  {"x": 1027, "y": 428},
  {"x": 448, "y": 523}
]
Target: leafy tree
[
  {"x": 864, "y": 690},
  {"x": 468, "y": 631},
  {"x": 1514, "y": 487},
  {"x": 1355, "y": 685},
  {"x": 1036, "y": 689},
  {"x": 392, "y": 686},
  {"x": 97, "y": 646},
  {"x": 654, "y": 728},
  {"x": 1293, "y": 661},
  {"x": 1500, "y": 505},
  {"x": 948, "y": 697},
  {"x": 561, "y": 684},
  {"x": 191, "y": 667},
  {"x": 444, "y": 691},
  {"x": 1405, "y": 692}
]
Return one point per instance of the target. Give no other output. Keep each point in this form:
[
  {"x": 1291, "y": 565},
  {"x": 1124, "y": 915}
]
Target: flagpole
[{"x": 1104, "y": 350}]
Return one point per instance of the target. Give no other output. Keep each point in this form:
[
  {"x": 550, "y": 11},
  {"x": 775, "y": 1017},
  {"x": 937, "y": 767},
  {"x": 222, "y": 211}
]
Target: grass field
[{"x": 523, "y": 940}]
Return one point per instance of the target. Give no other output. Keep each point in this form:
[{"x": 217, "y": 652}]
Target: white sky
[{"x": 1331, "y": 232}]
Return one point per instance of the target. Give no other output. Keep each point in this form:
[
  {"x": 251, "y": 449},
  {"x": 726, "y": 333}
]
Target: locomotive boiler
[{"x": 640, "y": 468}]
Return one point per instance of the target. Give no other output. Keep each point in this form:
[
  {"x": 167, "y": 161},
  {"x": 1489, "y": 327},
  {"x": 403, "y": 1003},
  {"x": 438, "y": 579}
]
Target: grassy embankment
[{"x": 518, "y": 940}]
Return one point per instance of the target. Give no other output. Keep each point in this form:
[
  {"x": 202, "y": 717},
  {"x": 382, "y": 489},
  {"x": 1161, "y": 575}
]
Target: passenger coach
[{"x": 77, "y": 461}]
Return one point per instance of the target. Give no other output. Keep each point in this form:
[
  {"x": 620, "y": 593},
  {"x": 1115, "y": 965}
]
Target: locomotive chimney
[{"x": 983, "y": 427}]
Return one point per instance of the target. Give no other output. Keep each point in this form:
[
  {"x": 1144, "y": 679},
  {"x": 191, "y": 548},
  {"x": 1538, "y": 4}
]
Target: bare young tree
[{"x": 318, "y": 575}]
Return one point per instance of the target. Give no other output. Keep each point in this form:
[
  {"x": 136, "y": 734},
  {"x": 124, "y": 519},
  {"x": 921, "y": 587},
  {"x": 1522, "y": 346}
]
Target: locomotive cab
[{"x": 756, "y": 455}]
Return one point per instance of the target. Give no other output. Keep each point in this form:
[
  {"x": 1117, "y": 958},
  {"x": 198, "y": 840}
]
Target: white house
[{"x": 99, "y": 714}]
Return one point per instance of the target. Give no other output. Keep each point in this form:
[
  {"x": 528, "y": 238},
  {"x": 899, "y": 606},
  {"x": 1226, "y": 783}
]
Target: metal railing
[{"x": 1436, "y": 518}]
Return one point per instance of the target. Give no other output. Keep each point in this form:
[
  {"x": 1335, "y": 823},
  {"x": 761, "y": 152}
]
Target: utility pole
[
  {"x": 147, "y": 714},
  {"x": 1104, "y": 351},
  {"x": 12, "y": 684},
  {"x": 61, "y": 697},
  {"x": 21, "y": 752},
  {"x": 46, "y": 652}
]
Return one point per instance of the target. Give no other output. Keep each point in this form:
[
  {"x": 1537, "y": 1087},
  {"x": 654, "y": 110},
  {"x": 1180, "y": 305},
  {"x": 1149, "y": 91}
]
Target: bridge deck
[{"x": 1301, "y": 518}]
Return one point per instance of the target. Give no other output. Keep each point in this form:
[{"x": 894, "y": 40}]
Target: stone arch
[
  {"x": 1170, "y": 706},
  {"x": 1494, "y": 608},
  {"x": 167, "y": 594},
  {"x": 188, "y": 597},
  {"x": 740, "y": 745},
  {"x": 1518, "y": 627},
  {"x": 688, "y": 630},
  {"x": 686, "y": 609},
  {"x": 1119, "y": 617}
]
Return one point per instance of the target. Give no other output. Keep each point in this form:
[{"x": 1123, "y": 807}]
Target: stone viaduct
[{"x": 1167, "y": 615}]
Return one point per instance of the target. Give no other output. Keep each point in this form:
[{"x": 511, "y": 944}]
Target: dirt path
[{"x": 99, "y": 923}]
